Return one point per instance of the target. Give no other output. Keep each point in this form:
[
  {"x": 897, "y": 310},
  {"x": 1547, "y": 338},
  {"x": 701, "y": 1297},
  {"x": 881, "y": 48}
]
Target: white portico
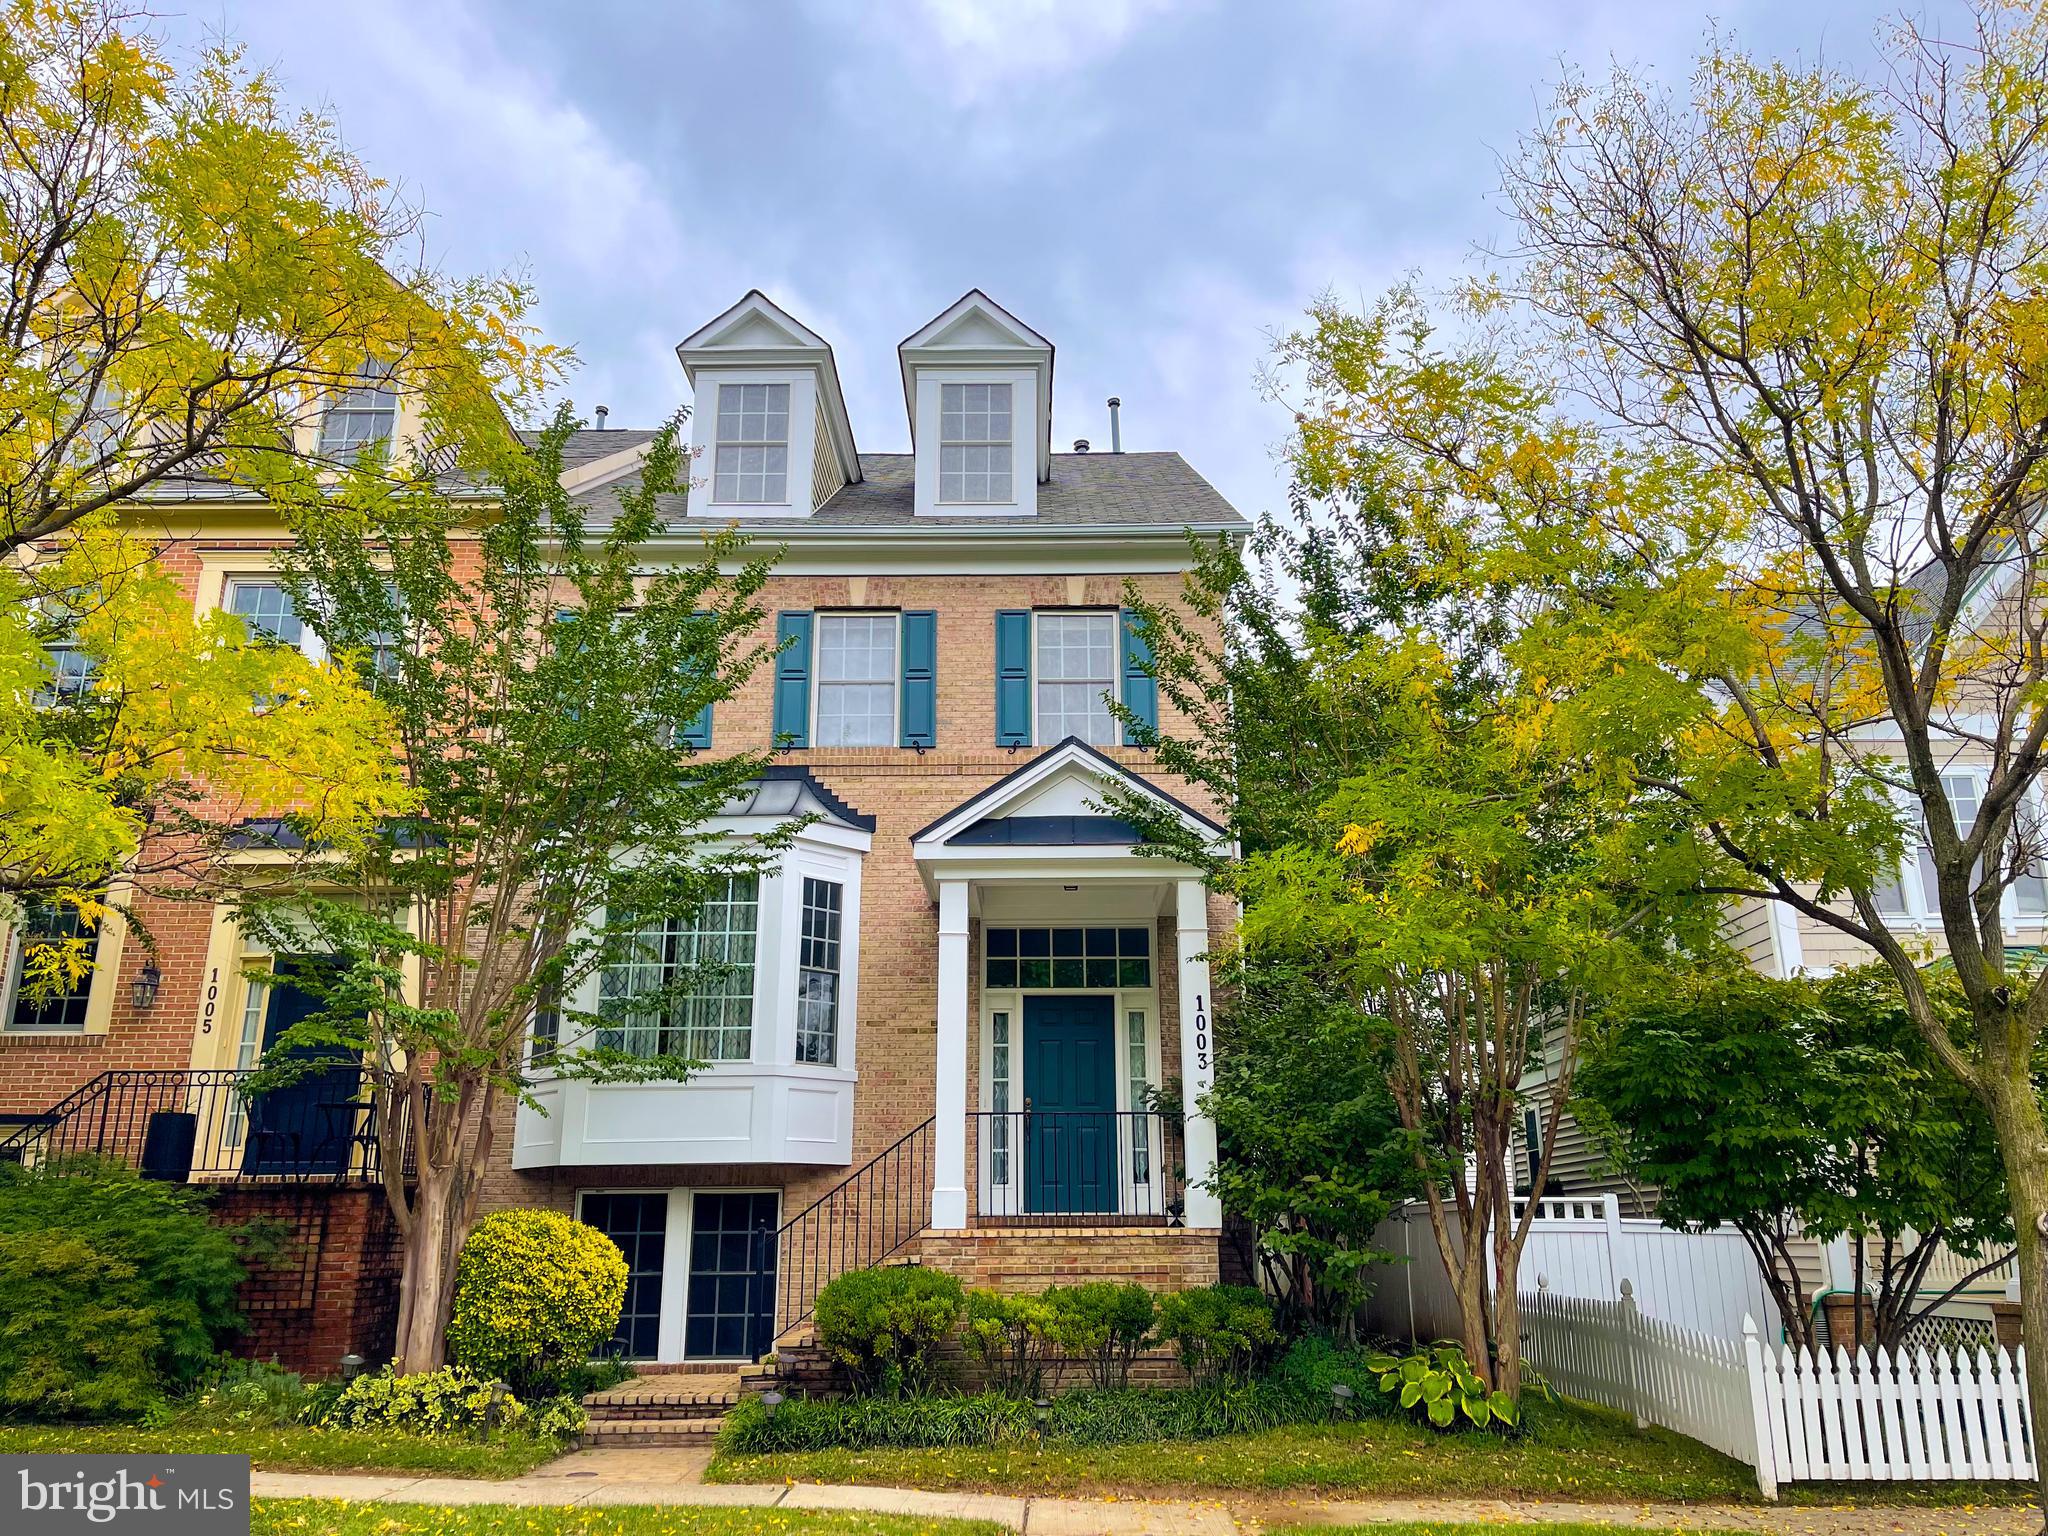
[{"x": 1051, "y": 1034}]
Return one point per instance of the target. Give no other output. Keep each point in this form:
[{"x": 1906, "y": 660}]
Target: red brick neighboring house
[{"x": 946, "y": 1013}]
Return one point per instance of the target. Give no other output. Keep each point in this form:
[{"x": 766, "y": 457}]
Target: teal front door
[{"x": 1070, "y": 1105}]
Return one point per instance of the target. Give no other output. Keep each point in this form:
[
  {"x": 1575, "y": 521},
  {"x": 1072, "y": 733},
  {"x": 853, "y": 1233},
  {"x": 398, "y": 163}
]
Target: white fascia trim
[
  {"x": 613, "y": 466},
  {"x": 824, "y": 833},
  {"x": 932, "y": 844}
]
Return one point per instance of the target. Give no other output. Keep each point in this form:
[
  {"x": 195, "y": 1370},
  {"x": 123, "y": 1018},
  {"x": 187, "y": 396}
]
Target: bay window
[{"x": 696, "y": 975}]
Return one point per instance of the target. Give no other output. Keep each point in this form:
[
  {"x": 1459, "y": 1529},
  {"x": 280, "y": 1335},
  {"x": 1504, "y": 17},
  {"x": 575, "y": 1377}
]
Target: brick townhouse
[{"x": 962, "y": 1020}]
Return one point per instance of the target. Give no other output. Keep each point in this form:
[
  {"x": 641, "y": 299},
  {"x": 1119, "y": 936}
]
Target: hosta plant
[{"x": 1439, "y": 1384}]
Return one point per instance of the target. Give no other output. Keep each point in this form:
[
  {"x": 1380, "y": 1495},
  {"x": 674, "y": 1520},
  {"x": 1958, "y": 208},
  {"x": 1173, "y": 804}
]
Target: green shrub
[
  {"x": 1013, "y": 1338},
  {"x": 1314, "y": 1364},
  {"x": 119, "y": 1291},
  {"x": 1439, "y": 1384},
  {"x": 1085, "y": 1418},
  {"x": 885, "y": 1325},
  {"x": 535, "y": 1295},
  {"x": 1221, "y": 1332},
  {"x": 449, "y": 1401},
  {"x": 244, "y": 1394},
  {"x": 1104, "y": 1325}
]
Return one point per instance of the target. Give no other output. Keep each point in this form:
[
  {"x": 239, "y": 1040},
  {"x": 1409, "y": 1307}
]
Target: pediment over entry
[{"x": 1054, "y": 806}]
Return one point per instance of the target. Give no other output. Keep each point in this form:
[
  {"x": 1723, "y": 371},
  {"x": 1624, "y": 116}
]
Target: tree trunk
[
  {"x": 2023, "y": 1147},
  {"x": 428, "y": 1273}
]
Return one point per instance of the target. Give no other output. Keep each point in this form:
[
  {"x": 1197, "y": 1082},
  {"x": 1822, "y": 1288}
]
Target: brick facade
[{"x": 332, "y": 1289}]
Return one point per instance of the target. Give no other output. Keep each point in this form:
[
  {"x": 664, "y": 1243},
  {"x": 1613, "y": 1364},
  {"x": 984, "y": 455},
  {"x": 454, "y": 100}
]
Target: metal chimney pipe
[
  {"x": 1116, "y": 430},
  {"x": 1080, "y": 445},
  {"x": 602, "y": 412}
]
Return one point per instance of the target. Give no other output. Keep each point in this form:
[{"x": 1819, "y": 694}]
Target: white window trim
[
  {"x": 100, "y": 988},
  {"x": 926, "y": 395},
  {"x": 388, "y": 382},
  {"x": 778, "y": 940},
  {"x": 788, "y": 431},
  {"x": 310, "y": 645},
  {"x": 1116, "y": 670},
  {"x": 1010, "y": 443},
  {"x": 818, "y": 616},
  {"x": 1919, "y": 917}
]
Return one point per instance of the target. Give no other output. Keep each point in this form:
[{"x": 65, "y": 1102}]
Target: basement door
[
  {"x": 638, "y": 1222},
  {"x": 1070, "y": 1118},
  {"x": 729, "y": 1313}
]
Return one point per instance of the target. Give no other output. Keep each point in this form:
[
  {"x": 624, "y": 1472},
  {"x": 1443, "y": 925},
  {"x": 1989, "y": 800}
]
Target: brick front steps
[{"x": 671, "y": 1408}]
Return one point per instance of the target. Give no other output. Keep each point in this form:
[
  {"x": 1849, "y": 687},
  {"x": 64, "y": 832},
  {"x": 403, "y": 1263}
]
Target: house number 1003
[{"x": 1201, "y": 1036}]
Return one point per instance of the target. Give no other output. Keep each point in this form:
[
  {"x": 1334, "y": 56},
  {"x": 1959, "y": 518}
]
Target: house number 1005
[{"x": 212, "y": 999}]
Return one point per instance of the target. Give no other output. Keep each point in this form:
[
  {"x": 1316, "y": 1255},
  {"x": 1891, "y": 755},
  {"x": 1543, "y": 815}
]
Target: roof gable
[
  {"x": 1059, "y": 798},
  {"x": 754, "y": 323}
]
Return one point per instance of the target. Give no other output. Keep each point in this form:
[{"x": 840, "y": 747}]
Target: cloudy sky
[{"x": 1156, "y": 187}]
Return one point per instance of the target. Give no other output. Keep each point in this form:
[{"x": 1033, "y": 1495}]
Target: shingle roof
[
  {"x": 592, "y": 443},
  {"x": 1103, "y": 490}
]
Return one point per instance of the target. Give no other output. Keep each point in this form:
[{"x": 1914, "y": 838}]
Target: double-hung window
[
  {"x": 1913, "y": 894},
  {"x": 856, "y": 680},
  {"x": 685, "y": 986},
  {"x": 70, "y": 668},
  {"x": 974, "y": 443},
  {"x": 751, "y": 461},
  {"x": 266, "y": 609},
  {"x": 1076, "y": 671},
  {"x": 817, "y": 976},
  {"x": 47, "y": 1009},
  {"x": 363, "y": 413}
]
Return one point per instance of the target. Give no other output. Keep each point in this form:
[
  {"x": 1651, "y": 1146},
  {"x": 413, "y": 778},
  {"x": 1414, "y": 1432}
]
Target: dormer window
[
  {"x": 752, "y": 464},
  {"x": 974, "y": 443},
  {"x": 364, "y": 413}
]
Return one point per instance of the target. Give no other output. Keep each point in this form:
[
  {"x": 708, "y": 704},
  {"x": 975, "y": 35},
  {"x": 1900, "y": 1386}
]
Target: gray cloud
[{"x": 1156, "y": 187}]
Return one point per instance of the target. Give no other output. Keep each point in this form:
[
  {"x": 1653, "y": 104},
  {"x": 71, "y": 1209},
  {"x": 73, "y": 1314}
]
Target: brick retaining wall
[
  {"x": 332, "y": 1290},
  {"x": 1161, "y": 1259}
]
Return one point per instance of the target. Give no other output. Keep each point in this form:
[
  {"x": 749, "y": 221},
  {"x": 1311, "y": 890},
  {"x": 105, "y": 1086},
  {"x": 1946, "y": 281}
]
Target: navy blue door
[
  {"x": 1070, "y": 1105},
  {"x": 731, "y": 1312},
  {"x": 306, "y": 1126},
  {"x": 638, "y": 1223}
]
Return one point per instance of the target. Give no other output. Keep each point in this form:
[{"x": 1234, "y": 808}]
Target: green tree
[
  {"x": 538, "y": 681},
  {"x": 193, "y": 271},
  {"x": 1311, "y": 1153},
  {"x": 1806, "y": 1108}
]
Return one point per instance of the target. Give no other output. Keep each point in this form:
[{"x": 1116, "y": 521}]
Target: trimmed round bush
[
  {"x": 885, "y": 1325},
  {"x": 536, "y": 1295},
  {"x": 1222, "y": 1333}
]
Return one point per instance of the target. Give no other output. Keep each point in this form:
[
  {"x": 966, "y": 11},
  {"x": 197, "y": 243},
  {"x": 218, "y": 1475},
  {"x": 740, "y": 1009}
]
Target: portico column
[
  {"x": 1197, "y": 1051},
  {"x": 949, "y": 1132}
]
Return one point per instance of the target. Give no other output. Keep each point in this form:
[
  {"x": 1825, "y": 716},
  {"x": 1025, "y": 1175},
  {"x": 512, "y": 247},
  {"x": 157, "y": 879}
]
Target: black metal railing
[
  {"x": 206, "y": 1126},
  {"x": 1077, "y": 1167},
  {"x": 868, "y": 1216}
]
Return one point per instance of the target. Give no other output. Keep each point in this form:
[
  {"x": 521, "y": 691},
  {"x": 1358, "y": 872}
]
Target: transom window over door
[
  {"x": 1076, "y": 671},
  {"x": 752, "y": 460},
  {"x": 974, "y": 443},
  {"x": 711, "y": 957},
  {"x": 856, "y": 680}
]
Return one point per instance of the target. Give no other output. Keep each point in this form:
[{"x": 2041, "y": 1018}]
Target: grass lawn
[
  {"x": 329, "y": 1517},
  {"x": 297, "y": 1449},
  {"x": 1571, "y": 1451}
]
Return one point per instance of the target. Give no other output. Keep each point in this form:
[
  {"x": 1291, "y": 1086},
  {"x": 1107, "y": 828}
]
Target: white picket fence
[
  {"x": 1868, "y": 1417},
  {"x": 1583, "y": 1246}
]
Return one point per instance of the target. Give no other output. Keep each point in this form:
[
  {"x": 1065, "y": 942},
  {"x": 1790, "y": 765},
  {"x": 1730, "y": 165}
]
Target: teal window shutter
[
  {"x": 1141, "y": 689},
  {"x": 793, "y": 680},
  {"x": 920, "y": 679},
  {"x": 1013, "y": 677},
  {"x": 696, "y": 733}
]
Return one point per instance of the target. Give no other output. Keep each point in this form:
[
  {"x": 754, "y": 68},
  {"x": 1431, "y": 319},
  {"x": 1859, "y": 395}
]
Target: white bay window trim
[{"x": 770, "y": 1107}]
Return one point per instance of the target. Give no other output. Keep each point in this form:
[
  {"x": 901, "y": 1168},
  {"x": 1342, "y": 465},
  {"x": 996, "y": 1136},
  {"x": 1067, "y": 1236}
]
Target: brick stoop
[{"x": 672, "y": 1408}]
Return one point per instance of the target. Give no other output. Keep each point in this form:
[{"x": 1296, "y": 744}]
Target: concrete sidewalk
[{"x": 673, "y": 1477}]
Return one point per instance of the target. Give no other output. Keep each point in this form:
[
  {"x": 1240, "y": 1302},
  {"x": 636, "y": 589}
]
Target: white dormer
[
  {"x": 769, "y": 432},
  {"x": 978, "y": 382}
]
